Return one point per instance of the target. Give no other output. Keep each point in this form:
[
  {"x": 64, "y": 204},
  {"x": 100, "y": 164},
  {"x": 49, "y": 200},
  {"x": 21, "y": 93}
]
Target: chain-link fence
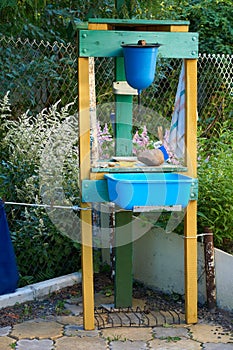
[{"x": 37, "y": 75}]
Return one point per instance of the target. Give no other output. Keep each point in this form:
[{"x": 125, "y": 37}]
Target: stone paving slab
[
  {"x": 35, "y": 344},
  {"x": 74, "y": 330},
  {"x": 6, "y": 342},
  {"x": 164, "y": 332},
  {"x": 69, "y": 320},
  {"x": 66, "y": 332},
  {"x": 206, "y": 333},
  {"x": 39, "y": 329},
  {"x": 84, "y": 343},
  {"x": 5, "y": 331},
  {"x": 212, "y": 346},
  {"x": 128, "y": 333},
  {"x": 183, "y": 344},
  {"x": 128, "y": 345}
]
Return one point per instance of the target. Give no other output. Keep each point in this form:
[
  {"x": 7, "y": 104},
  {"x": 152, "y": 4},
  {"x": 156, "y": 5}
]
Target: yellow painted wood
[
  {"x": 98, "y": 26},
  {"x": 87, "y": 269},
  {"x": 191, "y": 116},
  {"x": 190, "y": 257},
  {"x": 97, "y": 176},
  {"x": 85, "y": 164},
  {"x": 85, "y": 216},
  {"x": 179, "y": 28},
  {"x": 190, "y": 231}
]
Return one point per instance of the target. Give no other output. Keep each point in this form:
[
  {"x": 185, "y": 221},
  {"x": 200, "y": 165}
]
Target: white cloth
[{"x": 177, "y": 129}]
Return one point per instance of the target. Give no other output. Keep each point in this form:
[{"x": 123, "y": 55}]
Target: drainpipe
[{"x": 210, "y": 269}]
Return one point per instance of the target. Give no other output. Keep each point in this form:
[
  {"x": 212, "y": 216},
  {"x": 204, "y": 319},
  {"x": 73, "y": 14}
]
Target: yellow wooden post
[
  {"x": 85, "y": 166},
  {"x": 85, "y": 215},
  {"x": 190, "y": 233}
]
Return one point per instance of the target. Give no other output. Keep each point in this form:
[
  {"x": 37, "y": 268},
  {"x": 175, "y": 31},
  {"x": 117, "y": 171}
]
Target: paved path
[{"x": 66, "y": 333}]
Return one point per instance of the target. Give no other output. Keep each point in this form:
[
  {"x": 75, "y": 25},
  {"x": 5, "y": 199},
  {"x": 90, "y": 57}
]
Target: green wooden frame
[{"x": 104, "y": 43}]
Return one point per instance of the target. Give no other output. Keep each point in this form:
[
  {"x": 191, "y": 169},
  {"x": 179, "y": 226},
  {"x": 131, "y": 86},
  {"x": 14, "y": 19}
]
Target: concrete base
[
  {"x": 39, "y": 290},
  {"x": 159, "y": 264}
]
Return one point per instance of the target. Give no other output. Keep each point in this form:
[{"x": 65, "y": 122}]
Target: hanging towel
[
  {"x": 177, "y": 129},
  {"x": 8, "y": 269}
]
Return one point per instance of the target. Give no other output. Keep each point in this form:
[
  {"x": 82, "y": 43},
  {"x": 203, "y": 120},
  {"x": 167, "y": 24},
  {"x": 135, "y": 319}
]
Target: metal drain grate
[{"x": 109, "y": 317}]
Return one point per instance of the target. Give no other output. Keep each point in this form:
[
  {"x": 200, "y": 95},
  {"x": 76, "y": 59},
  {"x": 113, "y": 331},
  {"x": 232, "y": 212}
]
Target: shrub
[
  {"x": 42, "y": 251},
  {"x": 215, "y": 165}
]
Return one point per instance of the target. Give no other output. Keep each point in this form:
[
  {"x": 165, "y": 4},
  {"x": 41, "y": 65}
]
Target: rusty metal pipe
[{"x": 210, "y": 269}]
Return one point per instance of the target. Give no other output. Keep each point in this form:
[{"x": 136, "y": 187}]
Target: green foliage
[
  {"x": 212, "y": 19},
  {"x": 57, "y": 20},
  {"x": 37, "y": 73},
  {"x": 41, "y": 251},
  {"x": 215, "y": 174}
]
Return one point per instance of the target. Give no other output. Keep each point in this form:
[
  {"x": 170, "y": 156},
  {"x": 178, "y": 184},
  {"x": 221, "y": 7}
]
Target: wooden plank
[
  {"x": 85, "y": 216},
  {"x": 87, "y": 269},
  {"x": 179, "y": 28},
  {"x": 123, "y": 127},
  {"x": 190, "y": 232},
  {"x": 123, "y": 259},
  {"x": 191, "y": 116},
  {"x": 190, "y": 257},
  {"x": 98, "y": 26},
  {"x": 95, "y": 191},
  {"x": 97, "y": 175},
  {"x": 123, "y": 252},
  {"x": 137, "y": 169},
  {"x": 147, "y": 22},
  {"x": 174, "y": 45}
]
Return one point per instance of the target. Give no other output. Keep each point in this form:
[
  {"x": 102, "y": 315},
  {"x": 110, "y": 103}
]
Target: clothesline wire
[{"x": 199, "y": 235}]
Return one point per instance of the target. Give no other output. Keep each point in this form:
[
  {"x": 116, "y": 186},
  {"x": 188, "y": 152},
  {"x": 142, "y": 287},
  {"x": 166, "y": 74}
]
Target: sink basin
[{"x": 148, "y": 189}]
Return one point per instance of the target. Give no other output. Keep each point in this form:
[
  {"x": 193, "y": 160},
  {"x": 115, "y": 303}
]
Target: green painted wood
[
  {"x": 95, "y": 191},
  {"x": 107, "y": 43},
  {"x": 124, "y": 115},
  {"x": 123, "y": 260},
  {"x": 137, "y": 21},
  {"x": 123, "y": 252},
  {"x": 80, "y": 25}
]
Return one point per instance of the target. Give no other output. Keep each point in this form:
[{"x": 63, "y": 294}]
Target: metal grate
[{"x": 136, "y": 317}]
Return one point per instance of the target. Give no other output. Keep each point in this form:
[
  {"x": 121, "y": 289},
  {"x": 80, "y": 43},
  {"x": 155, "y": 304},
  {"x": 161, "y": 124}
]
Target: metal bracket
[
  {"x": 123, "y": 88},
  {"x": 194, "y": 190},
  {"x": 158, "y": 208}
]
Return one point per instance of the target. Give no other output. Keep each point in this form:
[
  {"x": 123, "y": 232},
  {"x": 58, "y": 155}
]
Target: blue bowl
[
  {"x": 148, "y": 189},
  {"x": 140, "y": 64}
]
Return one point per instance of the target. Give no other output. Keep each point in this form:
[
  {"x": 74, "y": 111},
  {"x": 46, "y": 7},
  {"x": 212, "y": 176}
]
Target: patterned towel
[{"x": 177, "y": 129}]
